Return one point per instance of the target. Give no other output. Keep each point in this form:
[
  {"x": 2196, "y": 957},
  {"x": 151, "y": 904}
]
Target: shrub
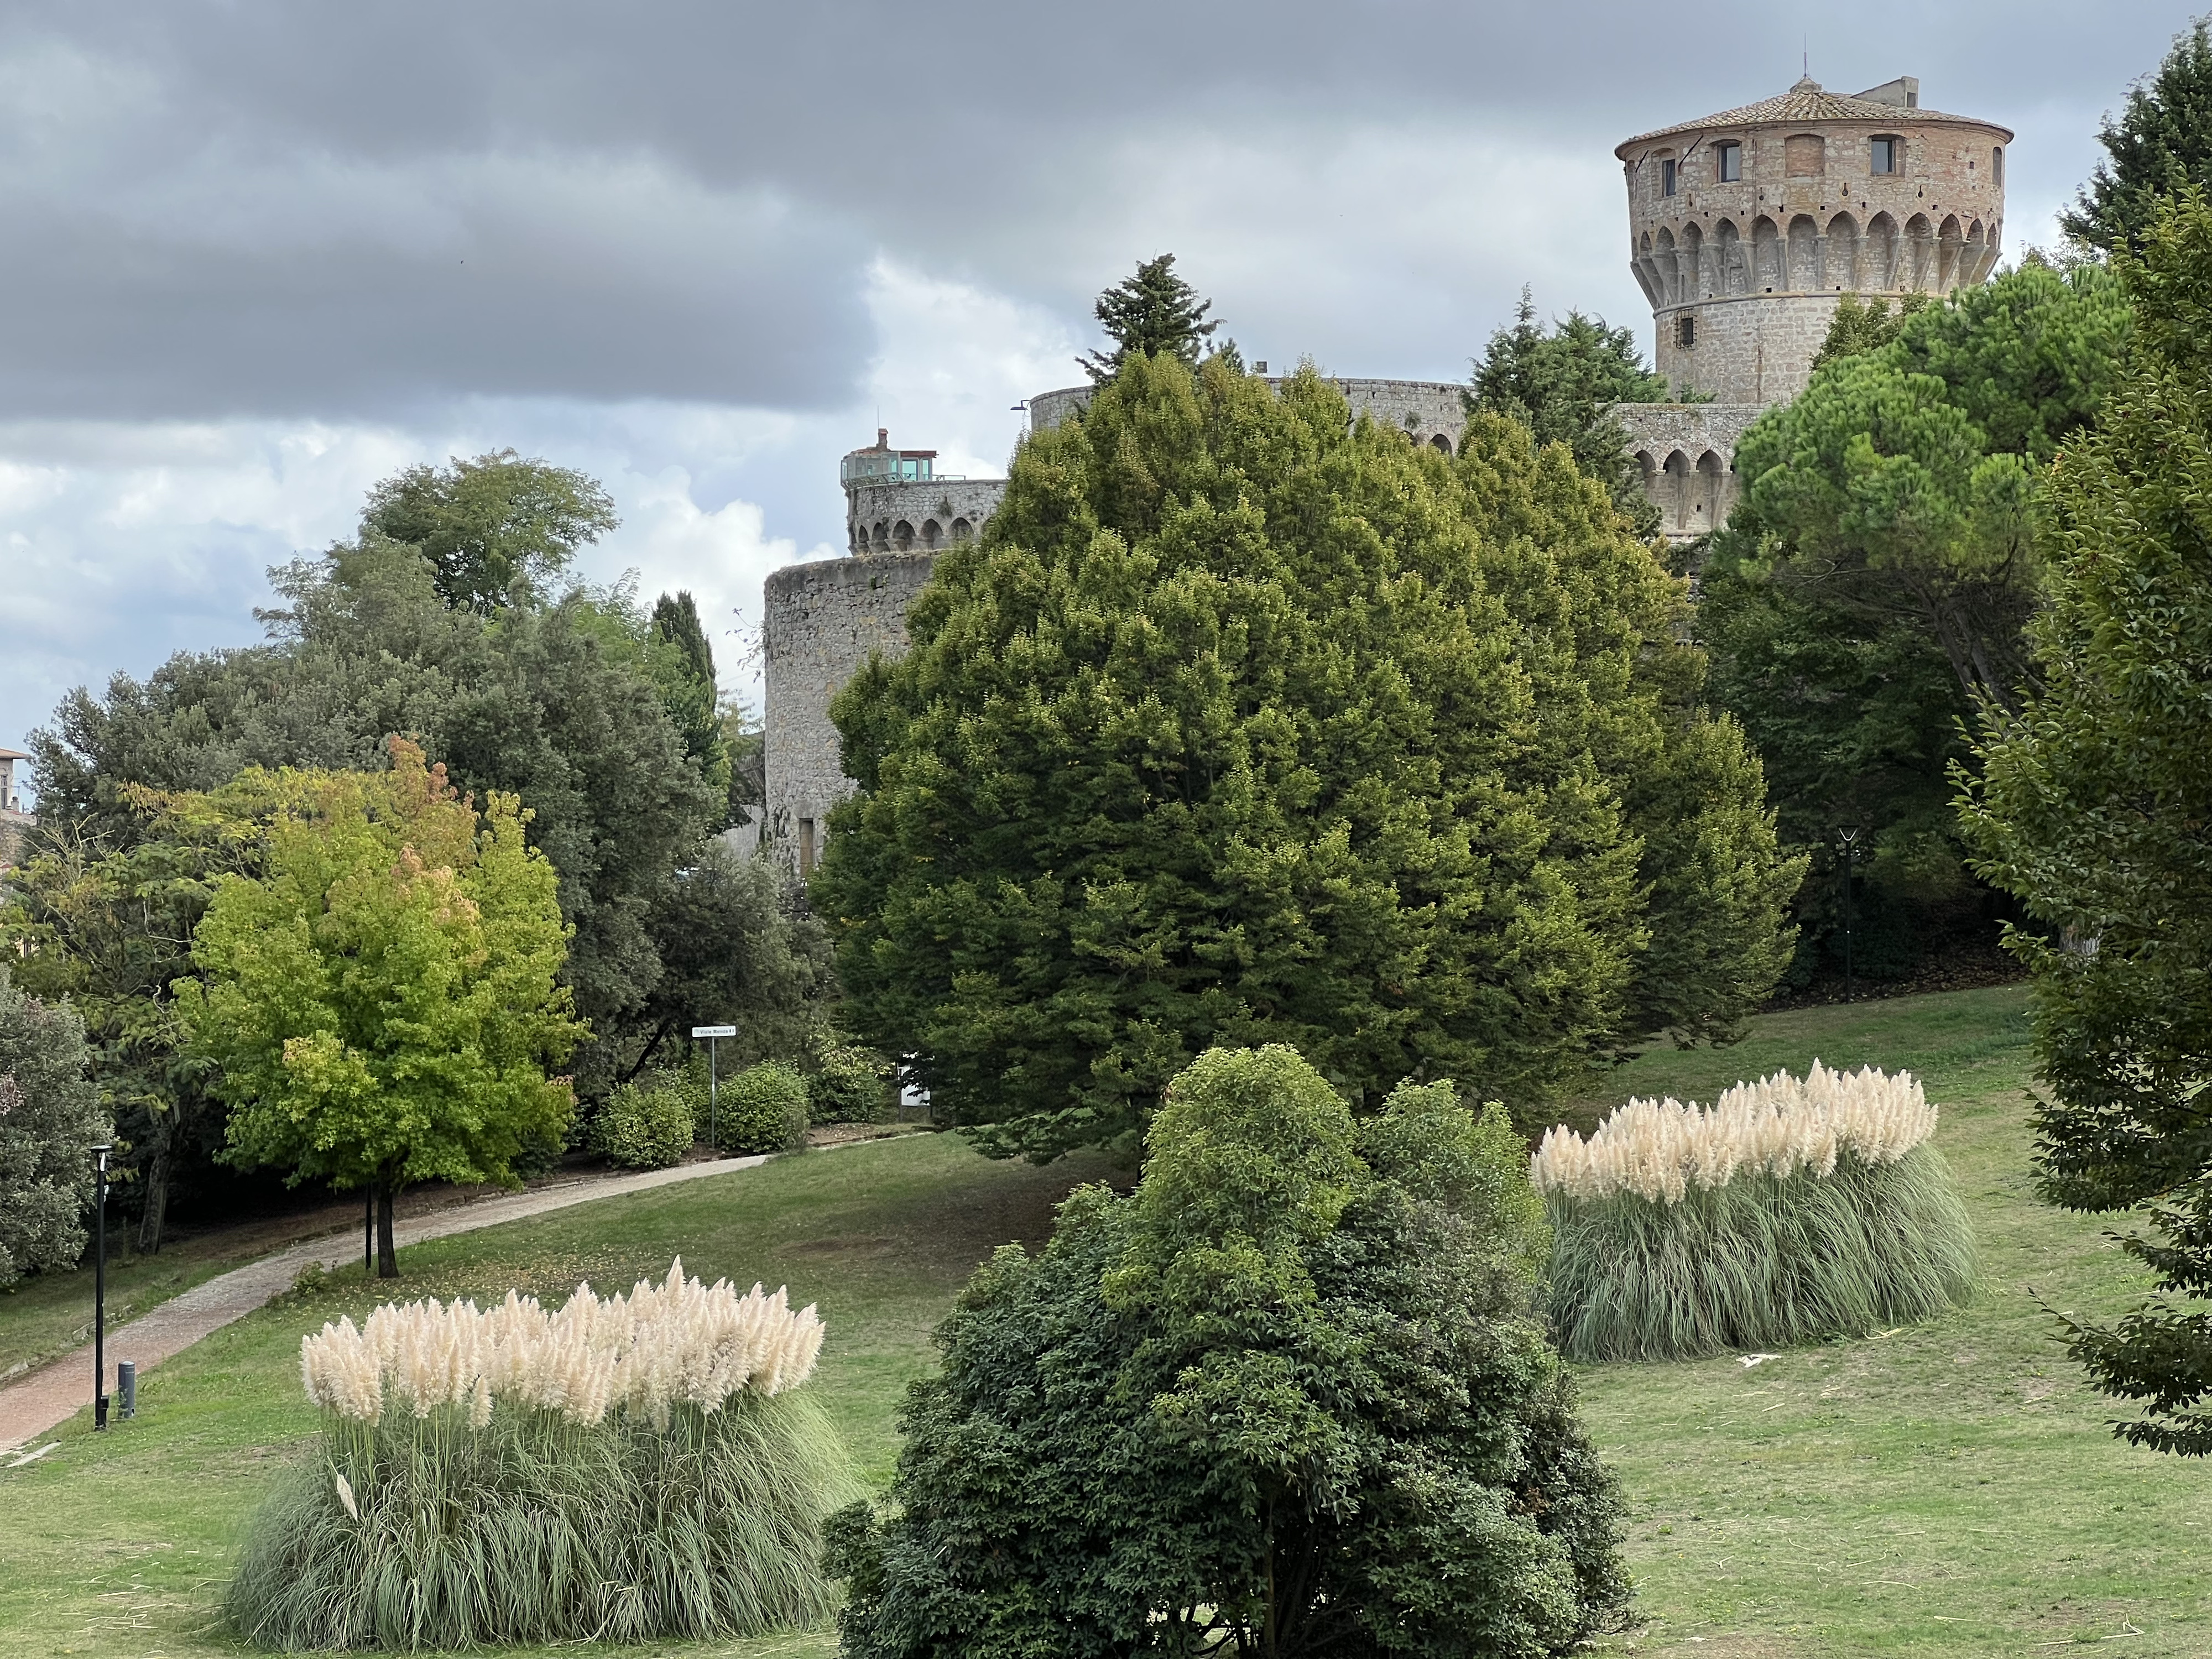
[
  {"x": 623, "y": 1469},
  {"x": 764, "y": 1109},
  {"x": 645, "y": 1125},
  {"x": 847, "y": 1087},
  {"x": 50, "y": 1120},
  {"x": 1286, "y": 1398},
  {"x": 1790, "y": 1212}
]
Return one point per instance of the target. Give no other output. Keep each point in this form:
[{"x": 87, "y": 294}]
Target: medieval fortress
[{"x": 1745, "y": 230}]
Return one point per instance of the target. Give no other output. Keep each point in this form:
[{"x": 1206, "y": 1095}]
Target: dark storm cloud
[{"x": 293, "y": 209}]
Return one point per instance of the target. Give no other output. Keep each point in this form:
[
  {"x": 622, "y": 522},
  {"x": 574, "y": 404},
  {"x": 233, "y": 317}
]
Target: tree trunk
[
  {"x": 387, "y": 1253},
  {"x": 157, "y": 1185}
]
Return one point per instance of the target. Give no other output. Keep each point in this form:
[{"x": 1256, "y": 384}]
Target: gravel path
[{"x": 58, "y": 1391}]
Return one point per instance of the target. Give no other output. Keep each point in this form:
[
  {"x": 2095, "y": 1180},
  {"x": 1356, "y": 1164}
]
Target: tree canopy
[
  {"x": 1286, "y": 1399},
  {"x": 1153, "y": 311},
  {"x": 49, "y": 1122},
  {"x": 1870, "y": 590},
  {"x": 493, "y": 527},
  {"x": 380, "y": 1004},
  {"x": 1246, "y": 723},
  {"x": 1561, "y": 383},
  {"x": 2092, "y": 808},
  {"x": 565, "y": 704},
  {"x": 2161, "y": 145}
]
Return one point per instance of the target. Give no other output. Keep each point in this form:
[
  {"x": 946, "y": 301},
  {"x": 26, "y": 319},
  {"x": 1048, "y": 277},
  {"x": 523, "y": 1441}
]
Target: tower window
[
  {"x": 1997, "y": 165},
  {"x": 805, "y": 847},
  {"x": 1728, "y": 163},
  {"x": 1667, "y": 177},
  {"x": 1888, "y": 155},
  {"x": 1686, "y": 331}
]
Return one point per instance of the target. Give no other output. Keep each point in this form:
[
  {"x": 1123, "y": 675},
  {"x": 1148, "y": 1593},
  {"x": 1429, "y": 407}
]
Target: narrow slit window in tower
[
  {"x": 1997, "y": 165},
  {"x": 1667, "y": 177},
  {"x": 805, "y": 847},
  {"x": 1889, "y": 154},
  {"x": 1728, "y": 163}
]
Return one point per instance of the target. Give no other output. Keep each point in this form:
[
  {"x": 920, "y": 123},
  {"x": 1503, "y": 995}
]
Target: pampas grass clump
[
  {"x": 1791, "y": 1211},
  {"x": 618, "y": 1469}
]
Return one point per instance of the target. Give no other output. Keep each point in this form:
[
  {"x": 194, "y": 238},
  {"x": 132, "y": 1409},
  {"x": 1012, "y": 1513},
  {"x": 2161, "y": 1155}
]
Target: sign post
[{"x": 711, "y": 1033}]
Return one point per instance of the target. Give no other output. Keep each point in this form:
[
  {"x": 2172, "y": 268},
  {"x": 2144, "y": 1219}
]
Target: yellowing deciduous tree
[{"x": 381, "y": 1000}]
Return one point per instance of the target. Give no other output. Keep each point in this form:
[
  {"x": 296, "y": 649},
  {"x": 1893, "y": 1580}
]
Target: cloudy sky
[{"x": 254, "y": 256}]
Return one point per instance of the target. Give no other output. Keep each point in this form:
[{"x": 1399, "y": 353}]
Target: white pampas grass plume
[
  {"x": 1658, "y": 1149},
  {"x": 345, "y": 1497},
  {"x": 679, "y": 1342}
]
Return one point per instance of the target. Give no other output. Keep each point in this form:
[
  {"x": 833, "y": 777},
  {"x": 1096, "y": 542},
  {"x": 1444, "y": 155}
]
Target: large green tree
[
  {"x": 49, "y": 1122},
  {"x": 1287, "y": 1398},
  {"x": 1871, "y": 591},
  {"x": 1243, "y": 722},
  {"x": 495, "y": 530},
  {"x": 2161, "y": 145},
  {"x": 380, "y": 1004},
  {"x": 565, "y": 703},
  {"x": 2094, "y": 807},
  {"x": 111, "y": 930},
  {"x": 1150, "y": 312},
  {"x": 1561, "y": 382}
]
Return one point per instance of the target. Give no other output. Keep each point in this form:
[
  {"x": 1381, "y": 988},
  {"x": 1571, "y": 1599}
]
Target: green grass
[
  {"x": 1951, "y": 1489},
  {"x": 119, "y": 1545}
]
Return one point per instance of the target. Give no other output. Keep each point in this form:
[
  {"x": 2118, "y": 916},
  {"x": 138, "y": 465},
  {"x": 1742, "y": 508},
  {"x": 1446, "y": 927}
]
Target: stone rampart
[
  {"x": 1428, "y": 411},
  {"x": 1687, "y": 453},
  {"x": 919, "y": 516},
  {"x": 822, "y": 621}
]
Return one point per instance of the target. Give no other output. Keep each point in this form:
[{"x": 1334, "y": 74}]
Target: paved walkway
[{"x": 58, "y": 1391}]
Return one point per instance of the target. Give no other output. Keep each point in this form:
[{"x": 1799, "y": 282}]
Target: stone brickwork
[
  {"x": 927, "y": 514},
  {"x": 1428, "y": 411},
  {"x": 822, "y": 621},
  {"x": 1687, "y": 453},
  {"x": 1747, "y": 228}
]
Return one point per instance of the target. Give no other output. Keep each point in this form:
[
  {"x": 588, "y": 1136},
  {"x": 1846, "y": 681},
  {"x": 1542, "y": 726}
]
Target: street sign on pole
[{"x": 713, "y": 1077}]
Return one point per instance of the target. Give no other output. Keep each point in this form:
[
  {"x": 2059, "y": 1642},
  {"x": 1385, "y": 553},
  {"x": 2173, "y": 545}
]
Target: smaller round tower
[{"x": 1747, "y": 227}]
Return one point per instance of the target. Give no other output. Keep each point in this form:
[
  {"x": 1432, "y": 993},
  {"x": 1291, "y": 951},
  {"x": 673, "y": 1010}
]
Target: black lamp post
[
  {"x": 99, "y": 1292},
  {"x": 1850, "y": 841}
]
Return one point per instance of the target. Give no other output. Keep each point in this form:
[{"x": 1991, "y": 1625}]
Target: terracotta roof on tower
[{"x": 1808, "y": 100}]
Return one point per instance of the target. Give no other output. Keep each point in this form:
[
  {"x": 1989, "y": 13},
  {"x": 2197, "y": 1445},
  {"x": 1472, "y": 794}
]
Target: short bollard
[{"x": 126, "y": 1388}]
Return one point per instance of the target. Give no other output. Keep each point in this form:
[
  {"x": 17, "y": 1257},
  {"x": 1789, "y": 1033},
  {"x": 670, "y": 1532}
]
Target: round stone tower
[{"x": 1747, "y": 228}]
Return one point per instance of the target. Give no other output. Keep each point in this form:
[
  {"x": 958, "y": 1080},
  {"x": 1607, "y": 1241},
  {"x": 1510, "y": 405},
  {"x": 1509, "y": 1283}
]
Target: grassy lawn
[
  {"x": 117, "y": 1545},
  {"x": 1953, "y": 1489},
  {"x": 1950, "y": 1489}
]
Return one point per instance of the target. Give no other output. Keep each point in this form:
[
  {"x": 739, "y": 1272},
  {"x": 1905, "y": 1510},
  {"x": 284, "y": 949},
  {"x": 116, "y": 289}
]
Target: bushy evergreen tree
[
  {"x": 1154, "y": 310},
  {"x": 49, "y": 1122},
  {"x": 2161, "y": 145},
  {"x": 1561, "y": 383},
  {"x": 1245, "y": 723},
  {"x": 1286, "y": 1399},
  {"x": 2094, "y": 808}
]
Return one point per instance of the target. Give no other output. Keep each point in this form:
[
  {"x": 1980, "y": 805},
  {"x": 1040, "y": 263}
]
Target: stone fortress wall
[
  {"x": 924, "y": 514},
  {"x": 1746, "y": 230},
  {"x": 821, "y": 622},
  {"x": 1744, "y": 257}
]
